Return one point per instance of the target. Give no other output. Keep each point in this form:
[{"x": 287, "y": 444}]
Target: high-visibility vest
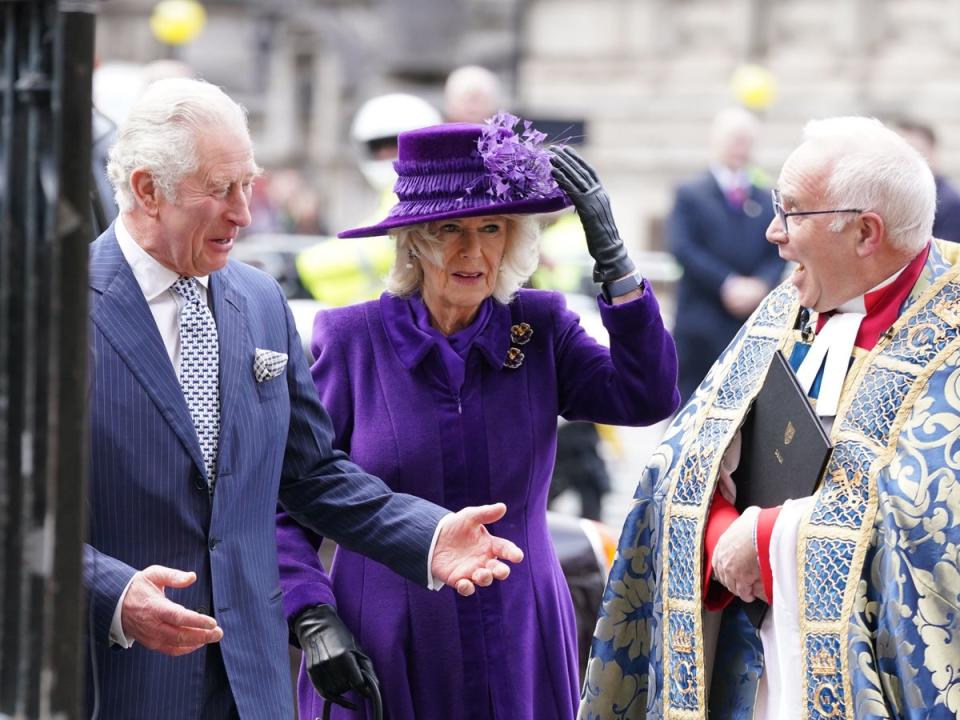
[
  {"x": 565, "y": 264},
  {"x": 343, "y": 271}
]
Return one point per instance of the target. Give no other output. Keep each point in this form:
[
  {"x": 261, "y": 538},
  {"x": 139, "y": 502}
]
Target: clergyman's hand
[
  {"x": 467, "y": 555},
  {"x": 157, "y": 623},
  {"x": 735, "y": 563}
]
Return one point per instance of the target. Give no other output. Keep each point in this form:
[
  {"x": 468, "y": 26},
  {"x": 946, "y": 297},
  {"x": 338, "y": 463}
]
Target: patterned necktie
[
  {"x": 736, "y": 196},
  {"x": 199, "y": 370}
]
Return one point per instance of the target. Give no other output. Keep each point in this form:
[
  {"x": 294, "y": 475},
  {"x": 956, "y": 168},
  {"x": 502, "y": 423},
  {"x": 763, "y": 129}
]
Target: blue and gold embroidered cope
[{"x": 879, "y": 551}]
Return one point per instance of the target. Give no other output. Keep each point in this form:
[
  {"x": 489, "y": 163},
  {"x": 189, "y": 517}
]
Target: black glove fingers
[
  {"x": 586, "y": 171},
  {"x": 352, "y": 671},
  {"x": 575, "y": 170},
  {"x": 565, "y": 176},
  {"x": 333, "y": 662},
  {"x": 565, "y": 184},
  {"x": 371, "y": 682},
  {"x": 341, "y": 701}
]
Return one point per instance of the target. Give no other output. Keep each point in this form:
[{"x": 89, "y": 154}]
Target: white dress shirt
[{"x": 155, "y": 281}]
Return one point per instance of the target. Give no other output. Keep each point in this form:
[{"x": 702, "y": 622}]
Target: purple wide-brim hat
[{"x": 460, "y": 170}]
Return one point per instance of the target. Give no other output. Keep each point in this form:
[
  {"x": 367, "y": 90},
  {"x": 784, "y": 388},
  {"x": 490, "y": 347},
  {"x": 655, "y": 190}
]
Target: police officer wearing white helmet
[{"x": 340, "y": 272}]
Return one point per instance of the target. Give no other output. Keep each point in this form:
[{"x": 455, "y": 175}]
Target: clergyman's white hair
[
  {"x": 872, "y": 168},
  {"x": 520, "y": 257},
  {"x": 160, "y": 134}
]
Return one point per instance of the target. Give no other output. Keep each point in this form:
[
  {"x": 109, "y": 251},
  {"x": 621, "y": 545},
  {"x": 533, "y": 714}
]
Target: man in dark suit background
[
  {"x": 203, "y": 414},
  {"x": 717, "y": 230}
]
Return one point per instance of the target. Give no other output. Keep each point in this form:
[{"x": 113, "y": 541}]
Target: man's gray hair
[
  {"x": 872, "y": 168},
  {"x": 416, "y": 242},
  {"x": 160, "y": 134}
]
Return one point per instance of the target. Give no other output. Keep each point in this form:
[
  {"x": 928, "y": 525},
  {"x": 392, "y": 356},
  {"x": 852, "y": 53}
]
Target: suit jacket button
[
  {"x": 212, "y": 544},
  {"x": 203, "y": 610},
  {"x": 198, "y": 482}
]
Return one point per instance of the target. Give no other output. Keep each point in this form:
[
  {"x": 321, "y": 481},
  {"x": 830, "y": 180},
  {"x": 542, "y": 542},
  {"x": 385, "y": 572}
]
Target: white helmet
[{"x": 376, "y": 126}]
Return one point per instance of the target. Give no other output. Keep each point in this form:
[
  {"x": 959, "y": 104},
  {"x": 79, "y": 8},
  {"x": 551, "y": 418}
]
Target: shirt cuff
[
  {"x": 116, "y": 626},
  {"x": 765, "y": 522},
  {"x": 722, "y": 514},
  {"x": 432, "y": 582}
]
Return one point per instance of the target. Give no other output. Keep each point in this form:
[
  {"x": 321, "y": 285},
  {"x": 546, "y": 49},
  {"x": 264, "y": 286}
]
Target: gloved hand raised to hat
[
  {"x": 579, "y": 181},
  {"x": 334, "y": 662}
]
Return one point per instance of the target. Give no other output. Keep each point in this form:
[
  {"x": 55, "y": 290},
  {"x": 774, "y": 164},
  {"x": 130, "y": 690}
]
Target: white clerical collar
[
  {"x": 832, "y": 349},
  {"x": 153, "y": 277}
]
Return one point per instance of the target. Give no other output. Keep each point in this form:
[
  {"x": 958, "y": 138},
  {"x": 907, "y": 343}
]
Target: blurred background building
[
  {"x": 636, "y": 82},
  {"x": 644, "y": 77}
]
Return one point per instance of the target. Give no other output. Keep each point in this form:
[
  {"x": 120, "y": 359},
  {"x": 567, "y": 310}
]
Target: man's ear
[
  {"x": 146, "y": 194},
  {"x": 872, "y": 233}
]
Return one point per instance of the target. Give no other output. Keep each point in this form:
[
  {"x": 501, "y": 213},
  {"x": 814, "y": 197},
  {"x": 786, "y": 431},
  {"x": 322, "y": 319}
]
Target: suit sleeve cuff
[
  {"x": 116, "y": 626},
  {"x": 765, "y": 522},
  {"x": 432, "y": 582},
  {"x": 722, "y": 515}
]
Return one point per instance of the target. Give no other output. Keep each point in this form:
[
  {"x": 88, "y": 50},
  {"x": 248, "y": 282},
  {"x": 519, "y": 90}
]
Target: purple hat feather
[{"x": 464, "y": 170}]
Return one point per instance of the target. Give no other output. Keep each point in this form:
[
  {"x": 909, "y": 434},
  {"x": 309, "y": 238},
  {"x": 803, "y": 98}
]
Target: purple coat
[{"x": 508, "y": 651}]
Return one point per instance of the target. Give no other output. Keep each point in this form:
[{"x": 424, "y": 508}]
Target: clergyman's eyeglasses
[{"x": 782, "y": 214}]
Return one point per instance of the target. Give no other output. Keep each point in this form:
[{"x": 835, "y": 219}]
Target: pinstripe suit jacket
[{"x": 149, "y": 502}]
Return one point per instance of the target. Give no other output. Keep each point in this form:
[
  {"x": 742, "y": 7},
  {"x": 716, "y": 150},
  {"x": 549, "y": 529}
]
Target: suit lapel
[
  {"x": 123, "y": 316},
  {"x": 236, "y": 356}
]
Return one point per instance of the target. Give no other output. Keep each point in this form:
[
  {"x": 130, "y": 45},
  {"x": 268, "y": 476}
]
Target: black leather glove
[
  {"x": 334, "y": 662},
  {"x": 580, "y": 183}
]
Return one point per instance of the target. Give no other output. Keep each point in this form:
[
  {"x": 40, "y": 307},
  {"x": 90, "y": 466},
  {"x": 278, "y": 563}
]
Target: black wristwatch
[{"x": 616, "y": 288}]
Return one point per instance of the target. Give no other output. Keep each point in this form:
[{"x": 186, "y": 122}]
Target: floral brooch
[{"x": 520, "y": 334}]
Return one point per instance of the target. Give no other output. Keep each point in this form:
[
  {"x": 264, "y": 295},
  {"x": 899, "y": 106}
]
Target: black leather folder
[{"x": 785, "y": 449}]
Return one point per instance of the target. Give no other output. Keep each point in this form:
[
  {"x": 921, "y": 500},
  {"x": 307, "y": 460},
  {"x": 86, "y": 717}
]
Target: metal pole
[{"x": 45, "y": 114}]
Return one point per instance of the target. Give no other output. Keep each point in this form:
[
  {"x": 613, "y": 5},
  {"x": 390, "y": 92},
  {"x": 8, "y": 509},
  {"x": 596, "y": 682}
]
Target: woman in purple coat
[{"x": 449, "y": 387}]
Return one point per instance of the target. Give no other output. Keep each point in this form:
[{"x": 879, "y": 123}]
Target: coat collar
[{"x": 412, "y": 345}]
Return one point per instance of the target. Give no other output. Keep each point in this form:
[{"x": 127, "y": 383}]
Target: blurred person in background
[
  {"x": 336, "y": 271},
  {"x": 580, "y": 467},
  {"x": 450, "y": 386},
  {"x": 946, "y": 223},
  {"x": 471, "y": 94},
  {"x": 716, "y": 232},
  {"x": 862, "y": 575}
]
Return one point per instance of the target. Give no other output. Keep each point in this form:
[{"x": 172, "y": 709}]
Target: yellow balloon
[
  {"x": 176, "y": 22},
  {"x": 754, "y": 86}
]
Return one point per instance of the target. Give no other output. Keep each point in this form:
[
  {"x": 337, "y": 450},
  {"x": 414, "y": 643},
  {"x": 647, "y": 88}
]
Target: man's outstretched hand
[
  {"x": 161, "y": 624},
  {"x": 466, "y": 555}
]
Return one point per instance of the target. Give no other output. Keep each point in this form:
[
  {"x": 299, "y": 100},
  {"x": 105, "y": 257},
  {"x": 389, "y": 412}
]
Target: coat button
[
  {"x": 203, "y": 610},
  {"x": 212, "y": 544},
  {"x": 198, "y": 482}
]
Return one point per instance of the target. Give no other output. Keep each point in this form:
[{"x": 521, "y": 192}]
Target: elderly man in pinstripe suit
[{"x": 203, "y": 415}]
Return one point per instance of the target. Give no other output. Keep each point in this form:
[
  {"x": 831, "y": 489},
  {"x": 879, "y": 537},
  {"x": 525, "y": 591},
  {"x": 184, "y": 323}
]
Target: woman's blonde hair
[{"x": 416, "y": 244}]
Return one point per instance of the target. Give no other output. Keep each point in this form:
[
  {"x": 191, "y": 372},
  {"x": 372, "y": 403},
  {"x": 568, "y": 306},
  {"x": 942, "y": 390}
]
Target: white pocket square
[{"x": 268, "y": 364}]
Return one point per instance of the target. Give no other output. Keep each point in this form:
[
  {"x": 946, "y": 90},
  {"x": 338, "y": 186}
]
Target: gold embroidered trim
[
  {"x": 686, "y": 643},
  {"x": 883, "y": 453}
]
